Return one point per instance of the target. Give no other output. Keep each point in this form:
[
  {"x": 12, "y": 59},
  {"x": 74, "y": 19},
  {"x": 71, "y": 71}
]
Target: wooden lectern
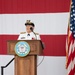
[{"x": 26, "y": 65}]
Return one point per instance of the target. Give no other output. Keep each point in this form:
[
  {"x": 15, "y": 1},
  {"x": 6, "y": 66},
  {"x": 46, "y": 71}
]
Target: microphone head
[{"x": 31, "y": 29}]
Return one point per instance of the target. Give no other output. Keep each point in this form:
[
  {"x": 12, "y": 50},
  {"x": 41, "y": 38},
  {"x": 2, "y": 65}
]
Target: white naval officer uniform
[{"x": 29, "y": 36}]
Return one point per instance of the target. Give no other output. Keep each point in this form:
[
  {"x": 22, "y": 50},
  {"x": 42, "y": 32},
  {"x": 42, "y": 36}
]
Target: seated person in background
[{"x": 29, "y": 34}]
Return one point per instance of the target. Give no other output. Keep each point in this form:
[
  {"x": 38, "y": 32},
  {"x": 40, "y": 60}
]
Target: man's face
[{"x": 28, "y": 28}]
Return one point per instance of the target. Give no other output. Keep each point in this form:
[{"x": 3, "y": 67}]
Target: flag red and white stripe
[{"x": 70, "y": 49}]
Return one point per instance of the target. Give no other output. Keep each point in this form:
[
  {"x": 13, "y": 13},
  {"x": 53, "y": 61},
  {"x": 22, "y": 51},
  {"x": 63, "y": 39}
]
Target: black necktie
[{"x": 28, "y": 35}]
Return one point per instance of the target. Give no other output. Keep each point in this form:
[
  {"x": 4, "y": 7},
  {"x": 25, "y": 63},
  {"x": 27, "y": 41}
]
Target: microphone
[
  {"x": 33, "y": 32},
  {"x": 31, "y": 29},
  {"x": 42, "y": 43}
]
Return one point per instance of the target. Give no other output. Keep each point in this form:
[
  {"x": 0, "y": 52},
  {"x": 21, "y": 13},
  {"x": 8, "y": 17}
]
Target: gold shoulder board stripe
[
  {"x": 22, "y": 32},
  {"x": 37, "y": 33}
]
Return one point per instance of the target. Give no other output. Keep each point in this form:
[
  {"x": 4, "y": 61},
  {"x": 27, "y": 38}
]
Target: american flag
[{"x": 71, "y": 41}]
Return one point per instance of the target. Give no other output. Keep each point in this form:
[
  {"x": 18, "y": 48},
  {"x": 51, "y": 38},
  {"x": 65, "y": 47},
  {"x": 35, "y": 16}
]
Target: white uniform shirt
[{"x": 29, "y": 36}]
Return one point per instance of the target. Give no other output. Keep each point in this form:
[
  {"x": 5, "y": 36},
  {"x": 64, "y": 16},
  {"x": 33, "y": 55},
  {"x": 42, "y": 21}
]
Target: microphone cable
[{"x": 41, "y": 60}]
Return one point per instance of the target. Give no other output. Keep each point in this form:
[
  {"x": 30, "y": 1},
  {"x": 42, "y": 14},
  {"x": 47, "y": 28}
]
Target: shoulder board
[
  {"x": 37, "y": 33},
  {"x": 22, "y": 32}
]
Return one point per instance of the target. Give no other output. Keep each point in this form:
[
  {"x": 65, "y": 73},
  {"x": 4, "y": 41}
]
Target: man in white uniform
[{"x": 29, "y": 34}]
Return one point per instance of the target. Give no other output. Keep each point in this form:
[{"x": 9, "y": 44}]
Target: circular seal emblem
[{"x": 22, "y": 48}]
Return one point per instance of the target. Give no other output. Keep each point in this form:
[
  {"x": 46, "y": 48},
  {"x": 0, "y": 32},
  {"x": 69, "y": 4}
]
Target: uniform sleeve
[
  {"x": 19, "y": 37},
  {"x": 38, "y": 37}
]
